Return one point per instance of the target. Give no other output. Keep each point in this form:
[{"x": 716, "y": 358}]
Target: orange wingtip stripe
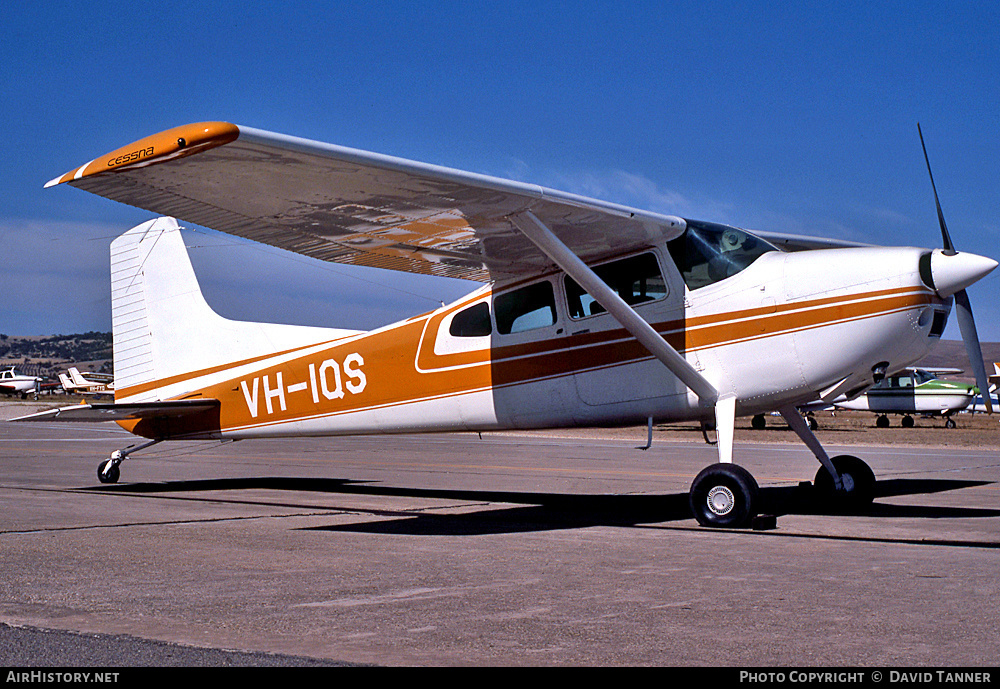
[{"x": 167, "y": 145}]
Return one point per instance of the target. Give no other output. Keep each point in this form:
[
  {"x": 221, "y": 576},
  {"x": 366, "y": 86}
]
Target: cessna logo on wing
[
  {"x": 131, "y": 157},
  {"x": 326, "y": 381}
]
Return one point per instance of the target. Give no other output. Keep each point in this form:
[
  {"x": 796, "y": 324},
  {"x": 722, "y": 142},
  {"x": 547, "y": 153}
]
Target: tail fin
[
  {"x": 163, "y": 327},
  {"x": 77, "y": 377},
  {"x": 66, "y": 383}
]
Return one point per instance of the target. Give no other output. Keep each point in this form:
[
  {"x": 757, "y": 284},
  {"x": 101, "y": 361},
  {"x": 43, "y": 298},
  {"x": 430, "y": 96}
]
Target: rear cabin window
[
  {"x": 527, "y": 308},
  {"x": 472, "y": 322},
  {"x": 707, "y": 253},
  {"x": 636, "y": 280}
]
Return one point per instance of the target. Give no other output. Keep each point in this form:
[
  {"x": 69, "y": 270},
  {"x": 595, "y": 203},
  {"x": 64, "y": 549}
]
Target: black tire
[
  {"x": 112, "y": 475},
  {"x": 859, "y": 484},
  {"x": 949, "y": 422},
  {"x": 758, "y": 422},
  {"x": 907, "y": 421},
  {"x": 724, "y": 496},
  {"x": 882, "y": 421}
]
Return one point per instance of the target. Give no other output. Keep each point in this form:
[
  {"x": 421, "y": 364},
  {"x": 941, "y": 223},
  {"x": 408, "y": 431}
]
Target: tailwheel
[
  {"x": 858, "y": 484},
  {"x": 108, "y": 471},
  {"x": 724, "y": 496}
]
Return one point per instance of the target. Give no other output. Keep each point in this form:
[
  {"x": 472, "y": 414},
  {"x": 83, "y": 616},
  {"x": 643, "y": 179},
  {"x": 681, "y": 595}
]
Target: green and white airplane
[{"x": 914, "y": 391}]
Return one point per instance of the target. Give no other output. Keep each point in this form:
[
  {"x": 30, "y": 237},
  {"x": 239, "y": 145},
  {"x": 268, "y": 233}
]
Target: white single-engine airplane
[
  {"x": 13, "y": 383},
  {"x": 90, "y": 383},
  {"x": 592, "y": 313}
]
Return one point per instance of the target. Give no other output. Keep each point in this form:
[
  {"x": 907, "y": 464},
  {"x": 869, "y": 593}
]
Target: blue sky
[{"x": 791, "y": 117}]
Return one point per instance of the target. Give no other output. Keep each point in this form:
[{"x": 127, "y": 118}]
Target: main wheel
[
  {"x": 858, "y": 484},
  {"x": 758, "y": 422},
  {"x": 882, "y": 421},
  {"x": 724, "y": 496},
  {"x": 907, "y": 421},
  {"x": 111, "y": 476}
]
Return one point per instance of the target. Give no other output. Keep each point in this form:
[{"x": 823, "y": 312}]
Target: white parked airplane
[
  {"x": 592, "y": 313},
  {"x": 979, "y": 403},
  {"x": 89, "y": 383},
  {"x": 13, "y": 383}
]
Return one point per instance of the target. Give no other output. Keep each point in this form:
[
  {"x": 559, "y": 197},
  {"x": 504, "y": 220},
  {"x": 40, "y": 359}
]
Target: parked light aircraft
[
  {"x": 913, "y": 391},
  {"x": 13, "y": 383},
  {"x": 592, "y": 313},
  {"x": 88, "y": 383},
  {"x": 979, "y": 402}
]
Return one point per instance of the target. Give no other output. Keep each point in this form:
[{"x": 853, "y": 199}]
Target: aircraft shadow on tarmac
[{"x": 517, "y": 512}]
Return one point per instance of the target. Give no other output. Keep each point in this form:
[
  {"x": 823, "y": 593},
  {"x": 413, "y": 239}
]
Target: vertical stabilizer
[{"x": 163, "y": 327}]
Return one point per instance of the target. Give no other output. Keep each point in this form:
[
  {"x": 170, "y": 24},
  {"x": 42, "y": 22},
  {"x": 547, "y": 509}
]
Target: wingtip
[{"x": 167, "y": 145}]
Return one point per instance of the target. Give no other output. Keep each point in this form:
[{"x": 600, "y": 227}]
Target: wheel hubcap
[
  {"x": 847, "y": 481},
  {"x": 721, "y": 500}
]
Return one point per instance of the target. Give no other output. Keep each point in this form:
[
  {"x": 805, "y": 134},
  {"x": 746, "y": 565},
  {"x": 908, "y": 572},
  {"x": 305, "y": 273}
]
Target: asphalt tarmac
[{"x": 504, "y": 550}]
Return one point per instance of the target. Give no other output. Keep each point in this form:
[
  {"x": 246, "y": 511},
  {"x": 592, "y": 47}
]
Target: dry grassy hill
[{"x": 49, "y": 355}]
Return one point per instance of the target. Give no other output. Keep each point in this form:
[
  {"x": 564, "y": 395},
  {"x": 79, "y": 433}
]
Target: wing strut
[{"x": 570, "y": 263}]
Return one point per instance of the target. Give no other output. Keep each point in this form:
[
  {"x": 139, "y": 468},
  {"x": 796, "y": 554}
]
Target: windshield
[{"x": 708, "y": 252}]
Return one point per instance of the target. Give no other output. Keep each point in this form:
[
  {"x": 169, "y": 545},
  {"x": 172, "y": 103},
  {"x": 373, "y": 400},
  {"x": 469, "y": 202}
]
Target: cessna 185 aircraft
[{"x": 591, "y": 313}]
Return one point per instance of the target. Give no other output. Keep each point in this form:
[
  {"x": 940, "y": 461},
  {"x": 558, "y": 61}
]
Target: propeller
[{"x": 966, "y": 323}]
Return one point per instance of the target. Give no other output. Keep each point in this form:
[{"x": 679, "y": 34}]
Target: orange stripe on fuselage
[
  {"x": 123, "y": 393},
  {"x": 399, "y": 365}
]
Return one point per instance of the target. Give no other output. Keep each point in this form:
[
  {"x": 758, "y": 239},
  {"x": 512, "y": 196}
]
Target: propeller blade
[
  {"x": 967, "y": 325},
  {"x": 948, "y": 247}
]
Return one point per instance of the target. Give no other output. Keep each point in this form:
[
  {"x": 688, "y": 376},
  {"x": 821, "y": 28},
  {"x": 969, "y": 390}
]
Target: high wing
[{"x": 349, "y": 206}]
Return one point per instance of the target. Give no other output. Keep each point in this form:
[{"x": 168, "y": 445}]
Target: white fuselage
[{"x": 11, "y": 382}]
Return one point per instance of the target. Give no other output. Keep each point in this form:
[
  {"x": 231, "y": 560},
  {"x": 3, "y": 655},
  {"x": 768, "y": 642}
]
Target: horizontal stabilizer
[{"x": 130, "y": 411}]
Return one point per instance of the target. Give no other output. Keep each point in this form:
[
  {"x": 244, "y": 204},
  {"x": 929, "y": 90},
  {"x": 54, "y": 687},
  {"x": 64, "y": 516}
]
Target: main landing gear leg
[
  {"x": 108, "y": 471},
  {"x": 843, "y": 481},
  {"x": 724, "y": 495}
]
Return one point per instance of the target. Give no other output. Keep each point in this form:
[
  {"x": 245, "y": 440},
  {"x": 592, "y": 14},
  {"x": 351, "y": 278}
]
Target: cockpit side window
[
  {"x": 707, "y": 252},
  {"x": 526, "y": 308},
  {"x": 636, "y": 280}
]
